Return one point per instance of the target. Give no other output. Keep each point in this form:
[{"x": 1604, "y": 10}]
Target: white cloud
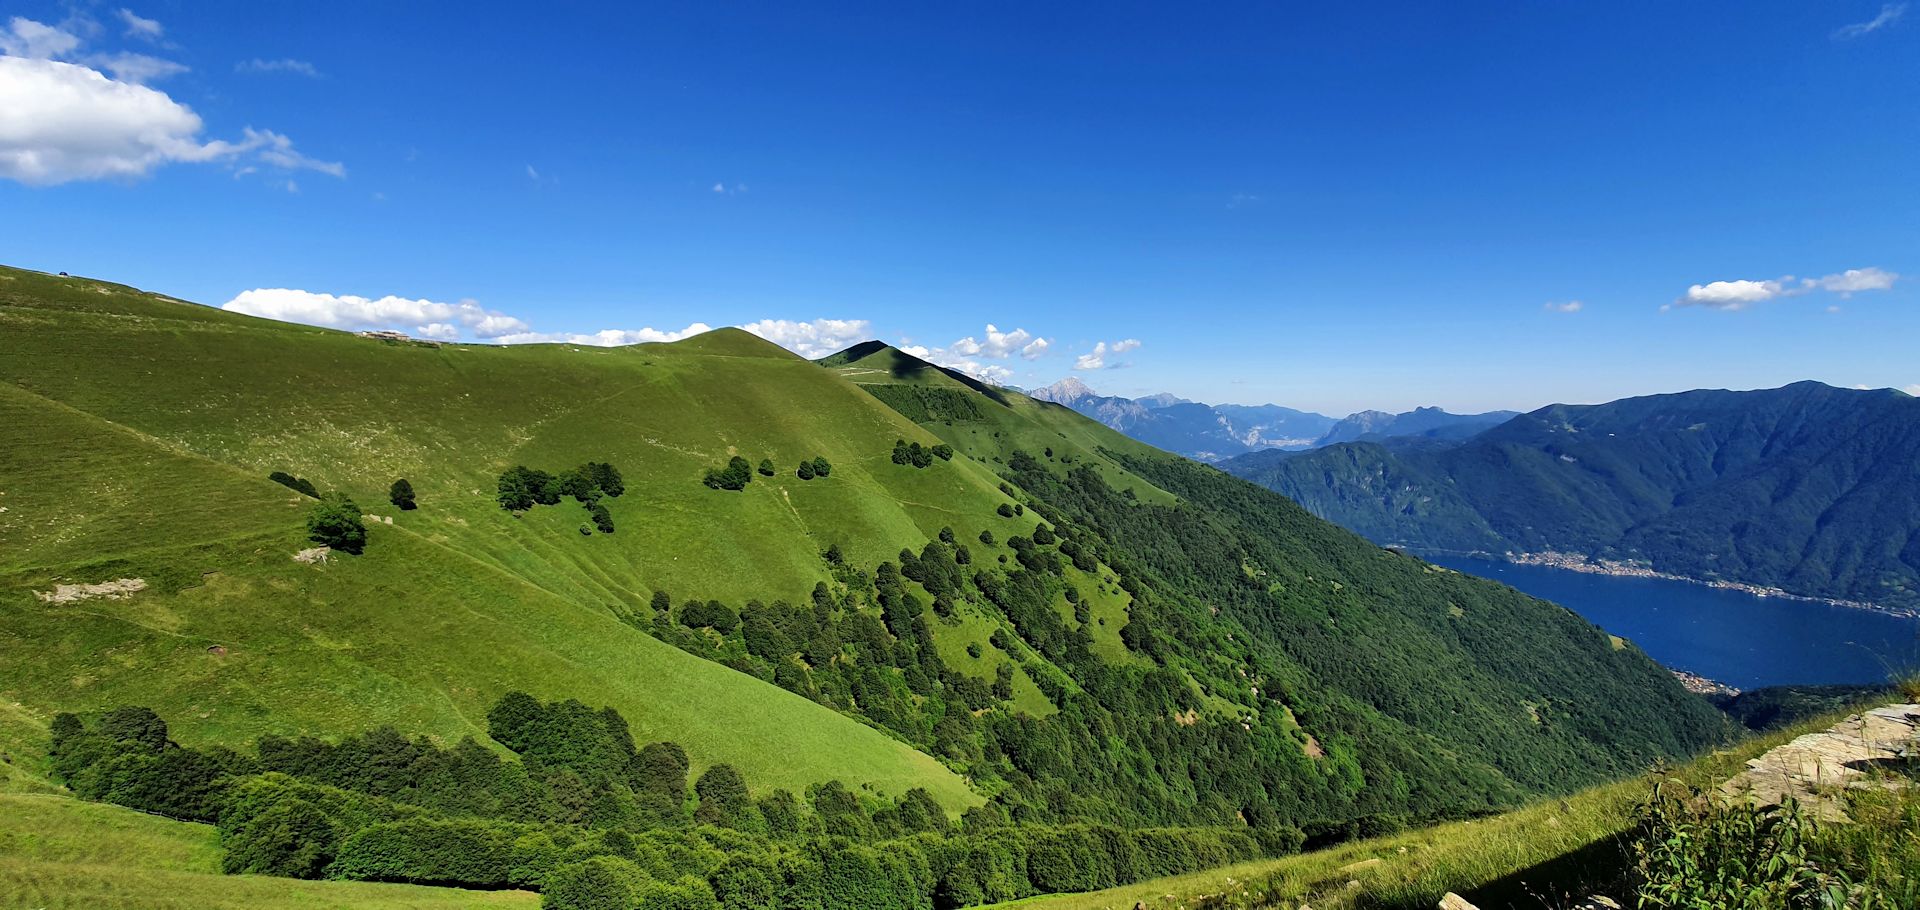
[
  {"x": 138, "y": 69},
  {"x": 1734, "y": 295},
  {"x": 1569, "y": 306},
  {"x": 432, "y": 319},
  {"x": 720, "y": 188},
  {"x": 533, "y": 174},
  {"x": 606, "y": 338},
  {"x": 1097, "y": 359},
  {"x": 24, "y": 37},
  {"x": 62, "y": 120},
  {"x": 1743, "y": 293},
  {"x": 283, "y": 65},
  {"x": 814, "y": 339},
  {"x": 988, "y": 372},
  {"x": 137, "y": 27},
  {"x": 1853, "y": 281},
  {"x": 1913, "y": 390},
  {"x": 1000, "y": 345},
  {"x": 352, "y": 312},
  {"x": 1889, "y": 14}
]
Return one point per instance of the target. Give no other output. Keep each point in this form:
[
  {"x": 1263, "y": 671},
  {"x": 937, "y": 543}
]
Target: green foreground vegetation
[{"x": 1556, "y": 851}]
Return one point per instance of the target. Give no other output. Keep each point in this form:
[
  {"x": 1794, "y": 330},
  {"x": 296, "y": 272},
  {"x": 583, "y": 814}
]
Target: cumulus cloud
[
  {"x": 346, "y": 311},
  {"x": 1889, "y": 14},
  {"x": 437, "y": 320},
  {"x": 1743, "y": 293},
  {"x": 1568, "y": 306},
  {"x": 1000, "y": 345},
  {"x": 63, "y": 120},
  {"x": 988, "y": 372},
  {"x": 1097, "y": 358},
  {"x": 605, "y": 338},
  {"x": 974, "y": 355},
  {"x": 283, "y": 65},
  {"x": 815, "y": 339}
]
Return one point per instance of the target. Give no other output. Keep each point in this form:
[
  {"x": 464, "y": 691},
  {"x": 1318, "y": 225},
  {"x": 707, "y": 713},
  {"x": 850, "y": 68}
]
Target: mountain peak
[{"x": 1066, "y": 391}]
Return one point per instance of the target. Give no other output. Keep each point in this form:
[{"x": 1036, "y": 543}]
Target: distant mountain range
[
  {"x": 1213, "y": 433},
  {"x": 1808, "y": 488}
]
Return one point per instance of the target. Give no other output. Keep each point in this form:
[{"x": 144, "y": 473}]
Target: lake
[{"x": 1728, "y": 636}]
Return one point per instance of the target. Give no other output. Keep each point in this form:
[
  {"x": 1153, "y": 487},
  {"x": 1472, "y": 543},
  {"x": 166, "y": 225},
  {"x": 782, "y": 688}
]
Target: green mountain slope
[
  {"x": 159, "y": 421},
  {"x": 1437, "y": 688},
  {"x": 1808, "y": 488},
  {"x": 987, "y": 596}
]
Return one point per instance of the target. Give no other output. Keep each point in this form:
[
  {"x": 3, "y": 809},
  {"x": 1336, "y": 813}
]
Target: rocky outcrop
[{"x": 1814, "y": 769}]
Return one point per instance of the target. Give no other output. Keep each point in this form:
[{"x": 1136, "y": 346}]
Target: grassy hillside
[
  {"x": 150, "y": 470},
  {"x": 1808, "y": 488},
  {"x": 59, "y": 853}
]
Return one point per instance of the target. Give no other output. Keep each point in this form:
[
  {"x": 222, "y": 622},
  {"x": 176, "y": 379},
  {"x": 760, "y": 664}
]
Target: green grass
[
  {"x": 58, "y": 852},
  {"x": 970, "y": 627},
  {"x": 144, "y": 469}
]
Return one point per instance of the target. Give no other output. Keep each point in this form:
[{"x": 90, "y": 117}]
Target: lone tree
[
  {"x": 335, "y": 522},
  {"x": 766, "y": 467},
  {"x": 402, "y": 495},
  {"x": 602, "y": 519},
  {"x": 820, "y": 467},
  {"x": 805, "y": 471}
]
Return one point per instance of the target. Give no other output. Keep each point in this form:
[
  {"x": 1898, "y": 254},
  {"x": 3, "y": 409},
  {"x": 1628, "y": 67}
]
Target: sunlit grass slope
[
  {"x": 57, "y": 853},
  {"x": 150, "y": 426}
]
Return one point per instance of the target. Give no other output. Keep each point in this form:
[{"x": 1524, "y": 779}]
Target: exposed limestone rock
[
  {"x": 115, "y": 590},
  {"x": 1454, "y": 901},
  {"x": 1813, "y": 769}
]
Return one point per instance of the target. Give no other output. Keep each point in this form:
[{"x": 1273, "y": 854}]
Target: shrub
[
  {"x": 805, "y": 471},
  {"x": 723, "y": 798},
  {"x": 820, "y": 467},
  {"x": 401, "y": 495},
  {"x": 335, "y": 522},
  {"x": 766, "y": 467},
  {"x": 296, "y": 484},
  {"x": 292, "y": 838},
  {"x": 427, "y": 850},
  {"x": 600, "y": 883},
  {"x": 943, "y": 452},
  {"x": 1005, "y": 510}
]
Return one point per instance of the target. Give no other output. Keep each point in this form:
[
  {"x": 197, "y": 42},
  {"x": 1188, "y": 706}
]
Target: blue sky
[{"x": 1384, "y": 206}]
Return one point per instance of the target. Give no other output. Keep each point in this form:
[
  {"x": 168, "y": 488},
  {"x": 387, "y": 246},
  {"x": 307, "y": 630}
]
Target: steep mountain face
[
  {"x": 1429, "y": 423},
  {"x": 1808, "y": 488},
  {"x": 1199, "y": 431},
  {"x": 966, "y": 591}
]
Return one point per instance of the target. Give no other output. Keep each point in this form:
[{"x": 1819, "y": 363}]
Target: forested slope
[{"x": 1809, "y": 488}]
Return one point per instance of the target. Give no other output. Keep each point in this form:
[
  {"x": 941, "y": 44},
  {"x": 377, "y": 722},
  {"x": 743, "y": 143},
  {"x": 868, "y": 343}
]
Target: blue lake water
[{"x": 1735, "y": 638}]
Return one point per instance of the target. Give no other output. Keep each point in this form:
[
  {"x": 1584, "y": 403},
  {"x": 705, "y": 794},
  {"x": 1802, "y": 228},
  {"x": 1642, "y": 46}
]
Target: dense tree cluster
[
  {"x": 814, "y": 467},
  {"x": 594, "y": 823},
  {"x": 919, "y": 456},
  {"x": 521, "y": 488},
  {"x": 735, "y": 476}
]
